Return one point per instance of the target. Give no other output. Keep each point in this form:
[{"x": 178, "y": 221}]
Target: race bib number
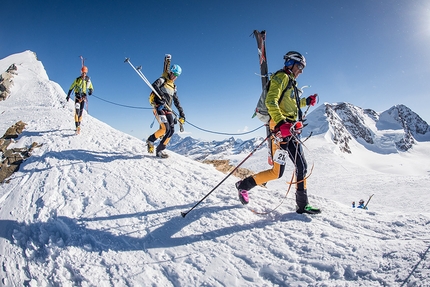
[
  {"x": 77, "y": 106},
  {"x": 163, "y": 118},
  {"x": 280, "y": 156}
]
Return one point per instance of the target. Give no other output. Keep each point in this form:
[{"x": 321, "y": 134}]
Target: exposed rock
[
  {"x": 11, "y": 159},
  {"x": 341, "y": 136},
  {"x": 225, "y": 167},
  {"x": 6, "y": 82},
  {"x": 14, "y": 131}
]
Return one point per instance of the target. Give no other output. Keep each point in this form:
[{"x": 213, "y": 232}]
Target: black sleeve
[
  {"x": 178, "y": 106},
  {"x": 157, "y": 85}
]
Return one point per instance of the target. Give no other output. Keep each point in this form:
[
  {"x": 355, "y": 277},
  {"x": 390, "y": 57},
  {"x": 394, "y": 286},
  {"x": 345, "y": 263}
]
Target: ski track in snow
[{"x": 97, "y": 210}]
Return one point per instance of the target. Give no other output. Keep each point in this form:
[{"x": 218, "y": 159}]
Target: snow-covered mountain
[
  {"x": 98, "y": 210},
  {"x": 201, "y": 150},
  {"x": 392, "y": 131}
]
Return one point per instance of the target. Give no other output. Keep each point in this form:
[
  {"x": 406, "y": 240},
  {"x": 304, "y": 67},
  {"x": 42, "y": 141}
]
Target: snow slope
[{"x": 98, "y": 210}]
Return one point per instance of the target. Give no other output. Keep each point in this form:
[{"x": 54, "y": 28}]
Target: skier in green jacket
[
  {"x": 81, "y": 86},
  {"x": 283, "y": 103}
]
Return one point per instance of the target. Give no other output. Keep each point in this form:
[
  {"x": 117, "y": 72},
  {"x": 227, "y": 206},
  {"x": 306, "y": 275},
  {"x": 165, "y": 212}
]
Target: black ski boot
[
  {"x": 160, "y": 151},
  {"x": 303, "y": 203}
]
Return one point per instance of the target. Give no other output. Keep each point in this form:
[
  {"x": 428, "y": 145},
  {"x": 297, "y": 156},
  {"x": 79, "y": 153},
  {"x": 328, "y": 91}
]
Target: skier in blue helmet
[{"x": 166, "y": 89}]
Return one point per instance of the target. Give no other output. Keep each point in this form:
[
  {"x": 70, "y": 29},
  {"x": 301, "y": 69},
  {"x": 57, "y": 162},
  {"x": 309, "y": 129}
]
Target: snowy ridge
[{"x": 98, "y": 210}]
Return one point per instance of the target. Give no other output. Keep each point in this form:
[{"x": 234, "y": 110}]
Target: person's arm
[
  {"x": 70, "y": 90},
  {"x": 178, "y": 106}
]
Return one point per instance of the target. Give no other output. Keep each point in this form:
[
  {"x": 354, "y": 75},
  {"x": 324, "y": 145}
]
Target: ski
[
  {"x": 166, "y": 67},
  {"x": 264, "y": 71},
  {"x": 365, "y": 206}
]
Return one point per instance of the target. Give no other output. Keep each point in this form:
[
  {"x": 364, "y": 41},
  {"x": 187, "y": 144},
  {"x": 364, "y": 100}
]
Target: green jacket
[
  {"x": 287, "y": 109},
  {"x": 80, "y": 86}
]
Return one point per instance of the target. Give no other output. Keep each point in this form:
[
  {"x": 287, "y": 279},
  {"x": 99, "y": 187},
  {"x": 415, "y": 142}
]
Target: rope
[
  {"x": 121, "y": 105},
  {"x": 291, "y": 182},
  {"x": 289, "y": 185},
  {"x": 213, "y": 132},
  {"x": 220, "y": 133}
]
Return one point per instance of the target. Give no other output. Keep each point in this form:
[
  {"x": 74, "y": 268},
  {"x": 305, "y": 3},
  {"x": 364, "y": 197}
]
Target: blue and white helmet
[
  {"x": 176, "y": 70},
  {"x": 292, "y": 57}
]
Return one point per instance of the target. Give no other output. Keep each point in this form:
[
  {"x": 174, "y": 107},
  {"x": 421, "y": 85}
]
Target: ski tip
[{"x": 126, "y": 60}]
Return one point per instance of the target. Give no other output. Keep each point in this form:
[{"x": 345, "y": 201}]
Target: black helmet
[
  {"x": 361, "y": 201},
  {"x": 292, "y": 57}
]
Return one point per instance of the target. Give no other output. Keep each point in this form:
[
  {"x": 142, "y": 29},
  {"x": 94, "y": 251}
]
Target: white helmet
[{"x": 292, "y": 57}]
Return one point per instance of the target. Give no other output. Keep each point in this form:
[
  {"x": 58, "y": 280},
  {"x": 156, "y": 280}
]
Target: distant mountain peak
[
  {"x": 396, "y": 129},
  {"x": 392, "y": 131}
]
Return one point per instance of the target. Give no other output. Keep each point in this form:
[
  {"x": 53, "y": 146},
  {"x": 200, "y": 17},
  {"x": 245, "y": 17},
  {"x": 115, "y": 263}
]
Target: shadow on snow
[{"x": 37, "y": 239}]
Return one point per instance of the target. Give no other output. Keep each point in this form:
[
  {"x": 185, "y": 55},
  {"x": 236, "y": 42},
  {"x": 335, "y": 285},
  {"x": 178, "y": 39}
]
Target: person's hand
[
  {"x": 311, "y": 100},
  {"x": 297, "y": 127},
  {"x": 90, "y": 92},
  {"x": 285, "y": 129},
  {"x": 160, "y": 108},
  {"x": 182, "y": 120}
]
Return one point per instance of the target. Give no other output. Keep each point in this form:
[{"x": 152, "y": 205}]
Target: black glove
[
  {"x": 160, "y": 102},
  {"x": 90, "y": 92},
  {"x": 68, "y": 95}
]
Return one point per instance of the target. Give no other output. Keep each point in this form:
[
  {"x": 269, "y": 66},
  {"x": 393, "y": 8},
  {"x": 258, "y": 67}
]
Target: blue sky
[{"x": 373, "y": 54}]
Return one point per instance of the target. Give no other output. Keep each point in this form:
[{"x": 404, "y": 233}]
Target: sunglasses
[{"x": 300, "y": 66}]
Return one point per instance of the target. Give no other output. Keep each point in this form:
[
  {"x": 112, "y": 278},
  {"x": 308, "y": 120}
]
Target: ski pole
[
  {"x": 142, "y": 76},
  {"x": 152, "y": 124},
  {"x": 213, "y": 189},
  {"x": 368, "y": 201}
]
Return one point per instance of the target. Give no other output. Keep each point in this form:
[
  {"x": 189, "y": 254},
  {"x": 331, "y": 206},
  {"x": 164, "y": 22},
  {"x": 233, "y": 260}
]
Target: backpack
[
  {"x": 153, "y": 97},
  {"x": 261, "y": 110},
  {"x": 166, "y": 69}
]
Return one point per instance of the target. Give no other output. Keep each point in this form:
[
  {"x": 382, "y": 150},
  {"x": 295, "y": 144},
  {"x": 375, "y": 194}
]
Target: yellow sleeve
[
  {"x": 277, "y": 84},
  {"x": 73, "y": 85},
  {"x": 303, "y": 102}
]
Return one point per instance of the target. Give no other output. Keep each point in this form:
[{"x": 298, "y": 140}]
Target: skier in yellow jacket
[
  {"x": 284, "y": 107},
  {"x": 80, "y": 86}
]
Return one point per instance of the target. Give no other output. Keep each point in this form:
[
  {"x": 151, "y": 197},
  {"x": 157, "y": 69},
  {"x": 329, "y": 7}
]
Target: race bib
[
  {"x": 77, "y": 106},
  {"x": 280, "y": 156},
  {"x": 163, "y": 118}
]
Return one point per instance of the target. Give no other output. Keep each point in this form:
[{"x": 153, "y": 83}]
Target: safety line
[{"x": 213, "y": 132}]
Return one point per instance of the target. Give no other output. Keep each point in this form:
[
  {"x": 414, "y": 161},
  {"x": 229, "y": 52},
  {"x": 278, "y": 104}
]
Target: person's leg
[
  {"x": 162, "y": 120},
  {"x": 170, "y": 129}
]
